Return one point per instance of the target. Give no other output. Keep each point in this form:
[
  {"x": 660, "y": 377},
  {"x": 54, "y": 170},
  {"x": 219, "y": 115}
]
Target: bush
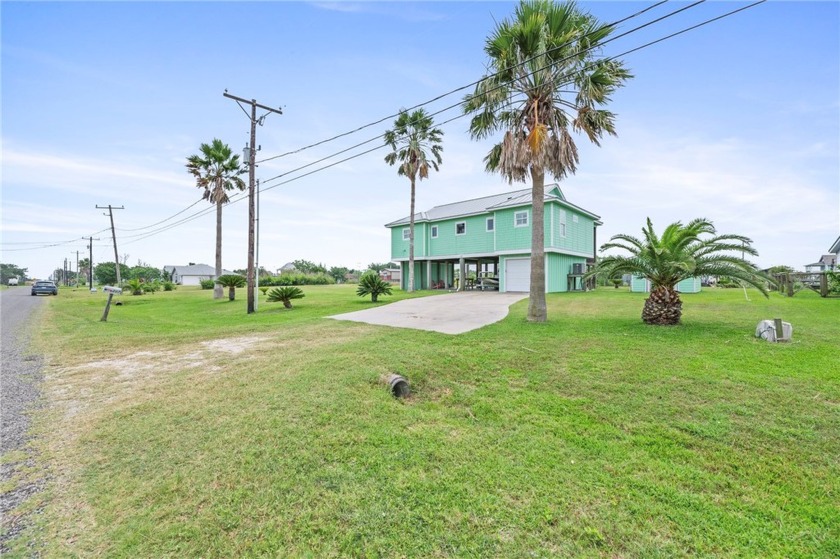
[
  {"x": 371, "y": 284},
  {"x": 263, "y": 289},
  {"x": 134, "y": 286},
  {"x": 151, "y": 286},
  {"x": 298, "y": 278},
  {"x": 207, "y": 284},
  {"x": 285, "y": 295},
  {"x": 168, "y": 286},
  {"x": 833, "y": 282}
]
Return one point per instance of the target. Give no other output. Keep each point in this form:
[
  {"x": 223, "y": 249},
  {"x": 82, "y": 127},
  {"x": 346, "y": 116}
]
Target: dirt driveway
[{"x": 452, "y": 313}]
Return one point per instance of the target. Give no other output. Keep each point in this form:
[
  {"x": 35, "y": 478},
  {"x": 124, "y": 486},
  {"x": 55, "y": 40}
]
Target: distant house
[
  {"x": 286, "y": 268},
  {"x": 192, "y": 274},
  {"x": 391, "y": 274},
  {"x": 639, "y": 284},
  {"x": 826, "y": 262},
  {"x": 492, "y": 236}
]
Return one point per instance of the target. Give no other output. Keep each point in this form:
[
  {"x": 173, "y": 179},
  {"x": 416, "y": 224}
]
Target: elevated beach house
[{"x": 488, "y": 242}]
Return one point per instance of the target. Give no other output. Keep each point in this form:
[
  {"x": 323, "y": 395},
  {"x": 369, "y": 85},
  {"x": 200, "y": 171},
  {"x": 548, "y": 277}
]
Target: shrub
[
  {"x": 207, "y": 284},
  {"x": 371, "y": 284},
  {"x": 231, "y": 281},
  {"x": 285, "y": 295},
  {"x": 135, "y": 286},
  {"x": 168, "y": 286},
  {"x": 151, "y": 286},
  {"x": 263, "y": 289}
]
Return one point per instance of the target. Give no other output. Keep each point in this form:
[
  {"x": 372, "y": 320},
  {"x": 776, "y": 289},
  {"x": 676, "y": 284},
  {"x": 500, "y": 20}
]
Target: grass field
[{"x": 185, "y": 428}]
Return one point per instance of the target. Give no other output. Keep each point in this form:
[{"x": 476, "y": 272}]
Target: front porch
[{"x": 479, "y": 273}]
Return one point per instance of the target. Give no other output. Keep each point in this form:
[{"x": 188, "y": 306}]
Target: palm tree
[
  {"x": 544, "y": 78},
  {"x": 371, "y": 284},
  {"x": 231, "y": 281},
  {"x": 681, "y": 252},
  {"x": 285, "y": 295},
  {"x": 217, "y": 171},
  {"x": 411, "y": 138}
]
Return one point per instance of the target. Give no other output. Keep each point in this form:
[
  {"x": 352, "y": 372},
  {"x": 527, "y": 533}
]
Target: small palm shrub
[
  {"x": 285, "y": 295},
  {"x": 135, "y": 286},
  {"x": 151, "y": 286},
  {"x": 207, "y": 284},
  {"x": 616, "y": 282},
  {"x": 231, "y": 281},
  {"x": 371, "y": 284},
  {"x": 263, "y": 289}
]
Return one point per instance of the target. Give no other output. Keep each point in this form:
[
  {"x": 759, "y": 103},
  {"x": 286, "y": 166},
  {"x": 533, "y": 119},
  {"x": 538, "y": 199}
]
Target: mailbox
[{"x": 111, "y": 289}]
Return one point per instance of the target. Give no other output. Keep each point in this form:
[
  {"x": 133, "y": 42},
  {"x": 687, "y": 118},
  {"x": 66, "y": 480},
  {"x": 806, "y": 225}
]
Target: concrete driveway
[{"x": 452, "y": 313}]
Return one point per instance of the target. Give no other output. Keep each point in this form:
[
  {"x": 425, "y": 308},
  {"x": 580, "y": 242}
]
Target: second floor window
[
  {"x": 461, "y": 228},
  {"x": 491, "y": 224},
  {"x": 434, "y": 231},
  {"x": 520, "y": 219},
  {"x": 406, "y": 234}
]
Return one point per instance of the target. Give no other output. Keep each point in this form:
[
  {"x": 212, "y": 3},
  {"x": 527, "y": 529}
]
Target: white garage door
[{"x": 517, "y": 274}]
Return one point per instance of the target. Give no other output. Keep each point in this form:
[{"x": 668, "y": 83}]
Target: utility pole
[
  {"x": 77, "y": 268},
  {"x": 90, "y": 262},
  {"x": 110, "y": 214},
  {"x": 251, "y": 175}
]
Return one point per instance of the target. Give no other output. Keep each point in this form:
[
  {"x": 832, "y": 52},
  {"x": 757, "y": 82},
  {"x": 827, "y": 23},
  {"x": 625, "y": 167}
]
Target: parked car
[
  {"x": 13, "y": 281},
  {"x": 44, "y": 287}
]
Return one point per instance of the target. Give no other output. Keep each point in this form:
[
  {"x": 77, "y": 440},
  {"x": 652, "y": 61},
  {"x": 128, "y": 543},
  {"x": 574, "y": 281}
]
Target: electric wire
[
  {"x": 236, "y": 199},
  {"x": 263, "y": 188},
  {"x": 459, "y": 103},
  {"x": 472, "y": 84}
]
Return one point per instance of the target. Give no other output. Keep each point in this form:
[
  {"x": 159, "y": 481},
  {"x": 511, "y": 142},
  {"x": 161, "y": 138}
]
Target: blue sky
[{"x": 737, "y": 121}]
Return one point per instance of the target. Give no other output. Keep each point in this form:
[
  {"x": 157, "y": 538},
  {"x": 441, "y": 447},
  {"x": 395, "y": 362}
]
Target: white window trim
[
  {"x": 487, "y": 224},
  {"x": 434, "y": 231},
  {"x": 406, "y": 234},
  {"x": 562, "y": 231},
  {"x": 464, "y": 223},
  {"x": 516, "y": 219}
]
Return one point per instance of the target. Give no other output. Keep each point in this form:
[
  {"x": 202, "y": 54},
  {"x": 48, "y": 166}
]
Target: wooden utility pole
[
  {"x": 251, "y": 184},
  {"x": 90, "y": 262},
  {"x": 111, "y": 209}
]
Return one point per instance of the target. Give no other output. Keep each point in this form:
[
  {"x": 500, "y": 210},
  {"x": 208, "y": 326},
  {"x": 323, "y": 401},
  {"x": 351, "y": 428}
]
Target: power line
[
  {"x": 458, "y": 104},
  {"x": 162, "y": 220},
  {"x": 264, "y": 188},
  {"x": 474, "y": 83}
]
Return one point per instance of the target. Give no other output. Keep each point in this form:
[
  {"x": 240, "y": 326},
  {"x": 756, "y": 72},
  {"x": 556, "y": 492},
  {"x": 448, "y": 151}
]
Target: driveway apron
[{"x": 452, "y": 313}]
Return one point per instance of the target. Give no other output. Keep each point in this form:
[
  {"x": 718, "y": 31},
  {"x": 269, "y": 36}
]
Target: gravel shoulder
[{"x": 20, "y": 379}]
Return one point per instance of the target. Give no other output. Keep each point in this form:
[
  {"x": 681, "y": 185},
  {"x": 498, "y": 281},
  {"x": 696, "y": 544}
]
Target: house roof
[
  {"x": 487, "y": 204},
  {"x": 835, "y": 248},
  {"x": 195, "y": 270}
]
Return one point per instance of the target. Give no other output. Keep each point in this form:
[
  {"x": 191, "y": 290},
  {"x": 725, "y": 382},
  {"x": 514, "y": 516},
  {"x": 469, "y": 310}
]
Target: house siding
[
  {"x": 399, "y": 247},
  {"x": 558, "y": 267}
]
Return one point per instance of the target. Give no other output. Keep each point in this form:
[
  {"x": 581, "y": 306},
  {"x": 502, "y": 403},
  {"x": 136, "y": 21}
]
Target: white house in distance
[{"x": 192, "y": 274}]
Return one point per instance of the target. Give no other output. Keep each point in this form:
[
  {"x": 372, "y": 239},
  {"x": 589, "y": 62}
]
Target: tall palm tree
[
  {"x": 217, "y": 171},
  {"x": 412, "y": 140},
  {"x": 544, "y": 78},
  {"x": 681, "y": 252}
]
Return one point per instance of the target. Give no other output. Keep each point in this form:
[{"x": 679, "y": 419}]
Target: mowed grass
[{"x": 593, "y": 435}]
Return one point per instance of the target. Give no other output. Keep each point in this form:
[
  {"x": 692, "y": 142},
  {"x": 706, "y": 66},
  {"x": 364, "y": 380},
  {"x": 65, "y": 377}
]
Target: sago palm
[
  {"x": 415, "y": 145},
  {"x": 371, "y": 284},
  {"x": 231, "y": 281},
  {"x": 285, "y": 295},
  {"x": 217, "y": 171},
  {"x": 681, "y": 252},
  {"x": 545, "y": 79}
]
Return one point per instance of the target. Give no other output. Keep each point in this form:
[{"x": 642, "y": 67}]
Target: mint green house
[{"x": 489, "y": 239}]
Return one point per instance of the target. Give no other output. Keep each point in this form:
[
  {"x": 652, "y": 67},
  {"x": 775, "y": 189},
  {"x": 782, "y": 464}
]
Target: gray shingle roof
[
  {"x": 195, "y": 270},
  {"x": 487, "y": 204}
]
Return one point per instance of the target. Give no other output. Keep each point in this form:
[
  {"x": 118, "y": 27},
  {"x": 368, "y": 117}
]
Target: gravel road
[{"x": 20, "y": 377}]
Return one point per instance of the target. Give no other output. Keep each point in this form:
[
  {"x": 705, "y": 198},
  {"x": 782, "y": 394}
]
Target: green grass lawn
[{"x": 185, "y": 428}]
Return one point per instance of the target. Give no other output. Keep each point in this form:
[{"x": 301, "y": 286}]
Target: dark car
[{"x": 44, "y": 287}]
